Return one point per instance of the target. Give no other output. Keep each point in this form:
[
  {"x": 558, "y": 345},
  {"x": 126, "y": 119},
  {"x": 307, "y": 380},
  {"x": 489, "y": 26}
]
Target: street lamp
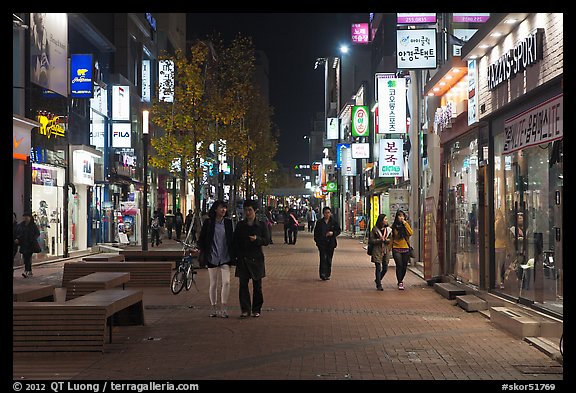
[{"x": 145, "y": 129}]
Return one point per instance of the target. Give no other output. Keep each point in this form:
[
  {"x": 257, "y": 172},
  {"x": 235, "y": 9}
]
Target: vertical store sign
[
  {"x": 360, "y": 33},
  {"x": 120, "y": 102},
  {"x": 81, "y": 71},
  {"x": 146, "y": 80},
  {"x": 166, "y": 81},
  {"x": 332, "y": 128},
  {"x": 472, "y": 96},
  {"x": 391, "y": 104},
  {"x": 360, "y": 121},
  {"x": 391, "y": 157},
  {"x": 416, "y": 49}
]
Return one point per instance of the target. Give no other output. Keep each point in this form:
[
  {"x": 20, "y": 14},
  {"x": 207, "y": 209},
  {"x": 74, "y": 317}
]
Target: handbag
[
  {"x": 411, "y": 253},
  {"x": 36, "y": 247}
]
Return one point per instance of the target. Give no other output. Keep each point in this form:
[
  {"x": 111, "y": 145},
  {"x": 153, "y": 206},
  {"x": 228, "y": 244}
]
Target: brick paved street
[{"x": 342, "y": 329}]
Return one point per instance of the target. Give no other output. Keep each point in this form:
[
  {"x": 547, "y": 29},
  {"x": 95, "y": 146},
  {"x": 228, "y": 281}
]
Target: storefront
[
  {"x": 528, "y": 201},
  {"x": 518, "y": 102}
]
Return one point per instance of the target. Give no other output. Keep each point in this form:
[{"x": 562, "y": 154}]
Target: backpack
[{"x": 155, "y": 223}]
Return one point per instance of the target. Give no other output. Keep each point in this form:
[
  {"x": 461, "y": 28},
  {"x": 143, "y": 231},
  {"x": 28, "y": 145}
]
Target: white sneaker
[{"x": 213, "y": 313}]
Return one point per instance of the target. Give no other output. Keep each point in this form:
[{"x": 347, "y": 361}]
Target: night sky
[{"x": 292, "y": 42}]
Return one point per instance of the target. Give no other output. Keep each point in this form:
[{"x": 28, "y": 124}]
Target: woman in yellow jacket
[{"x": 401, "y": 232}]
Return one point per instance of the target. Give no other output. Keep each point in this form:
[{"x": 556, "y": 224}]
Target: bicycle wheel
[
  {"x": 177, "y": 282},
  {"x": 189, "y": 277}
]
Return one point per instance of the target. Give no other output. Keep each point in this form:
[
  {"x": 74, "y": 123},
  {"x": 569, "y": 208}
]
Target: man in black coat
[
  {"x": 249, "y": 237},
  {"x": 325, "y": 233}
]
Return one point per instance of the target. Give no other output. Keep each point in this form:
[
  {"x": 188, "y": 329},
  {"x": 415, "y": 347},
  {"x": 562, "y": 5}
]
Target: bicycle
[{"x": 183, "y": 277}]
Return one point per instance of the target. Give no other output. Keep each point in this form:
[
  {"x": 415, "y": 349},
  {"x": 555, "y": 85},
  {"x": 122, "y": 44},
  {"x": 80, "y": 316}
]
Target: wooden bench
[
  {"x": 78, "y": 325},
  {"x": 160, "y": 255},
  {"x": 142, "y": 274},
  {"x": 95, "y": 281},
  {"x": 32, "y": 292},
  {"x": 105, "y": 256}
]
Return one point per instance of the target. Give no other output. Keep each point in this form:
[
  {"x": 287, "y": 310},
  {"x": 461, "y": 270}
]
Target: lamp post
[{"x": 145, "y": 115}]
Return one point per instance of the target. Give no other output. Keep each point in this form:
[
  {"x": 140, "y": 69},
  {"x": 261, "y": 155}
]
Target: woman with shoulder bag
[
  {"x": 380, "y": 240},
  {"x": 401, "y": 232},
  {"x": 215, "y": 245}
]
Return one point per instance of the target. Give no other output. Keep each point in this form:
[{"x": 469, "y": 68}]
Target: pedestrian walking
[
  {"x": 379, "y": 241},
  {"x": 293, "y": 226},
  {"x": 155, "y": 228},
  {"x": 14, "y": 236},
  {"x": 215, "y": 244},
  {"x": 286, "y": 222},
  {"x": 401, "y": 232},
  {"x": 178, "y": 223},
  {"x": 311, "y": 218},
  {"x": 27, "y": 239},
  {"x": 169, "y": 223},
  {"x": 325, "y": 232},
  {"x": 270, "y": 221},
  {"x": 188, "y": 221},
  {"x": 249, "y": 237}
]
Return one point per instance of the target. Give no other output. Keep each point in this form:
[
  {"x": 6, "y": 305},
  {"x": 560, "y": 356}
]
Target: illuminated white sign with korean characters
[
  {"x": 391, "y": 104},
  {"x": 391, "y": 157},
  {"x": 416, "y": 49}
]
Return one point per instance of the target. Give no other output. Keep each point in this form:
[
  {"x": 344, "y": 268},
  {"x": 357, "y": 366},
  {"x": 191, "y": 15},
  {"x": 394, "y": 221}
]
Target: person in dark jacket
[
  {"x": 14, "y": 235},
  {"x": 215, "y": 244},
  {"x": 325, "y": 232},
  {"x": 27, "y": 239},
  {"x": 178, "y": 223},
  {"x": 249, "y": 237}
]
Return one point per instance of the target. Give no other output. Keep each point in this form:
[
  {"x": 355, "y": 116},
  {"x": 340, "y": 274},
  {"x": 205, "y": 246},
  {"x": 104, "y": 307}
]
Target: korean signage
[
  {"x": 146, "y": 80},
  {"x": 332, "y": 128},
  {"x": 541, "y": 124},
  {"x": 390, "y": 157},
  {"x": 49, "y": 51},
  {"x": 339, "y": 149},
  {"x": 525, "y": 53},
  {"x": 81, "y": 70},
  {"x": 360, "y": 150},
  {"x": 348, "y": 164},
  {"x": 416, "y": 49},
  {"x": 470, "y": 18},
  {"x": 391, "y": 104},
  {"x": 360, "y": 121},
  {"x": 121, "y": 135},
  {"x": 166, "y": 81},
  {"x": 360, "y": 33},
  {"x": 120, "y": 102},
  {"x": 472, "y": 96},
  {"x": 331, "y": 186},
  {"x": 415, "y": 18}
]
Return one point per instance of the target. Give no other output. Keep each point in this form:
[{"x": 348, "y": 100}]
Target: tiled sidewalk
[{"x": 342, "y": 329}]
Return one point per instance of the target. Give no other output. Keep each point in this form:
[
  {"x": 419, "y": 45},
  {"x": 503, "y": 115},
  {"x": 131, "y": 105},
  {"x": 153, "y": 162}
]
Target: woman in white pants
[{"x": 215, "y": 244}]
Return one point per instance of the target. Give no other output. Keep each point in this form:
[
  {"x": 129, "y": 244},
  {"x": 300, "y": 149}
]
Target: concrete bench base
[
  {"x": 448, "y": 290},
  {"x": 471, "y": 303}
]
